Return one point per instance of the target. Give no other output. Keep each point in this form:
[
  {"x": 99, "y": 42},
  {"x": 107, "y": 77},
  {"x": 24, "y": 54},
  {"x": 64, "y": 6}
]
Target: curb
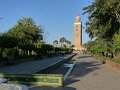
[{"x": 70, "y": 70}]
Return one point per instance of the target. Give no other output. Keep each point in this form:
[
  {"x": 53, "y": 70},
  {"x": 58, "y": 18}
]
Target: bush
[
  {"x": 3, "y": 58},
  {"x": 61, "y": 49}
]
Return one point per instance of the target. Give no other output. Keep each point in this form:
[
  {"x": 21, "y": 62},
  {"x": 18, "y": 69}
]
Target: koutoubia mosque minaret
[{"x": 78, "y": 34}]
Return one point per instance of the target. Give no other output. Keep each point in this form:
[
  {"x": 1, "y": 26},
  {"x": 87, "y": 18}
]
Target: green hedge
[{"x": 61, "y": 49}]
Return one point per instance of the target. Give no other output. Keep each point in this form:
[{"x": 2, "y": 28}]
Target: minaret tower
[{"x": 78, "y": 34}]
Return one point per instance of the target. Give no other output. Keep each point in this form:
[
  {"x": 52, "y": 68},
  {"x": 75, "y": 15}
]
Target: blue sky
[{"x": 57, "y": 16}]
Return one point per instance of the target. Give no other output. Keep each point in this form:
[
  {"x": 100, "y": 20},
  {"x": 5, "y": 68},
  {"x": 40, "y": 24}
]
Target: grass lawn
[{"x": 116, "y": 61}]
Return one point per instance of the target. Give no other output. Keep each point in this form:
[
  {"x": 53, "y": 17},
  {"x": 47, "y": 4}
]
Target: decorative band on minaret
[{"x": 77, "y": 34}]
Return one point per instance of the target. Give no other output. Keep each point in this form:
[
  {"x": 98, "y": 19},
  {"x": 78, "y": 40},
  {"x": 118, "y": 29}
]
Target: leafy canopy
[
  {"x": 104, "y": 18},
  {"x": 26, "y": 31}
]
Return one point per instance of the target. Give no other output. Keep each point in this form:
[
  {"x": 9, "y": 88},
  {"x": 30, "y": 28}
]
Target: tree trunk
[{"x": 2, "y": 49}]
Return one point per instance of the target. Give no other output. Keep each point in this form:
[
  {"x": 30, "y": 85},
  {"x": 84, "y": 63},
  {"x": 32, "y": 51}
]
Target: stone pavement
[
  {"x": 89, "y": 74},
  {"x": 32, "y": 66}
]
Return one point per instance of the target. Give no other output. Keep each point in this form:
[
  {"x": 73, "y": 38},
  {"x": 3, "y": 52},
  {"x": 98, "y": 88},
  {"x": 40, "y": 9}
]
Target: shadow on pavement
[
  {"x": 52, "y": 88},
  {"x": 80, "y": 70},
  {"x": 84, "y": 56},
  {"x": 70, "y": 81}
]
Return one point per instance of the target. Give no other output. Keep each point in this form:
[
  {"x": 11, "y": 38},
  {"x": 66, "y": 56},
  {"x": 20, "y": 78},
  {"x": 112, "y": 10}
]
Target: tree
[
  {"x": 26, "y": 31},
  {"x": 55, "y": 43},
  {"x": 104, "y": 18},
  {"x": 68, "y": 43},
  {"x": 62, "y": 41},
  {"x": 117, "y": 44},
  {"x": 103, "y": 23},
  {"x": 7, "y": 42}
]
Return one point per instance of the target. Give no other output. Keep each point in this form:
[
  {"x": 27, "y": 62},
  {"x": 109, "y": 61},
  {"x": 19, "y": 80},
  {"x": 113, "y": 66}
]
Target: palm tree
[
  {"x": 68, "y": 43},
  {"x": 62, "y": 41},
  {"x": 55, "y": 43}
]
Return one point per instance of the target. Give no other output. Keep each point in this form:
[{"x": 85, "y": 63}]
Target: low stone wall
[
  {"x": 113, "y": 65},
  {"x": 34, "y": 79}
]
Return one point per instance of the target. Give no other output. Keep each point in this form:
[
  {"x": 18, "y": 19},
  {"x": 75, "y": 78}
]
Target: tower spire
[{"x": 77, "y": 19}]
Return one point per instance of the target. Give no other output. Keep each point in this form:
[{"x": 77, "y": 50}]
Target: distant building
[{"x": 78, "y": 35}]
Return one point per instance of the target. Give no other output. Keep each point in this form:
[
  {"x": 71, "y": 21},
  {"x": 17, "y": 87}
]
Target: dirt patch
[{"x": 113, "y": 65}]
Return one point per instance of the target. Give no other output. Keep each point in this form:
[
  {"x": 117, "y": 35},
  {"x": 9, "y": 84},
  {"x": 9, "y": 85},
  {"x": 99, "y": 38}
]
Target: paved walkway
[
  {"x": 89, "y": 74},
  {"x": 32, "y": 66}
]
